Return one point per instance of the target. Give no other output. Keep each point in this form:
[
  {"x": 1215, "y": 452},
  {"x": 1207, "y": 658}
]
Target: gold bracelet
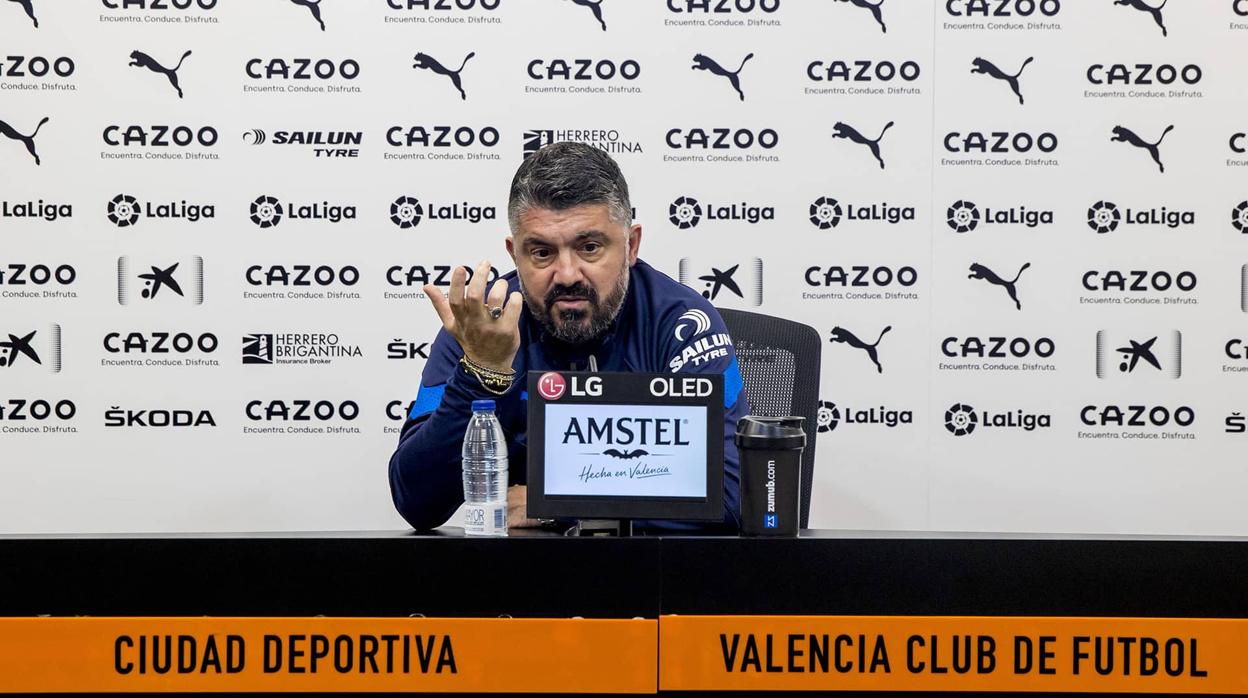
[{"x": 494, "y": 382}]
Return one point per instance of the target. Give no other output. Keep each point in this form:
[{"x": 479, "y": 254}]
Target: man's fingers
[
  {"x": 511, "y": 312},
  {"x": 498, "y": 294},
  {"x": 441, "y": 305},
  {"x": 459, "y": 276},
  {"x": 476, "y": 287}
]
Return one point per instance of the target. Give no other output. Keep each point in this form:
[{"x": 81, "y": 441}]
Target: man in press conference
[{"x": 579, "y": 299}]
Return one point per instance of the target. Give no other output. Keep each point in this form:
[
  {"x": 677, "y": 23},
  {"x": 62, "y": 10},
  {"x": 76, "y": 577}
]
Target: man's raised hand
[{"x": 465, "y": 314}]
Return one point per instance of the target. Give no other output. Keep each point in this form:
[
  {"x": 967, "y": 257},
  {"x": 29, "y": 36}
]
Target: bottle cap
[
  {"x": 771, "y": 433},
  {"x": 482, "y": 405}
]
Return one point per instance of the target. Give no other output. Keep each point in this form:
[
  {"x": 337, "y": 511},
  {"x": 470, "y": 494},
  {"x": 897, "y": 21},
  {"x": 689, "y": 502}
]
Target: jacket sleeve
[
  {"x": 426, "y": 471},
  {"x": 709, "y": 351}
]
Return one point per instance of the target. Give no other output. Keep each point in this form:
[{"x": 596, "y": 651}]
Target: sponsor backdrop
[{"x": 1021, "y": 227}]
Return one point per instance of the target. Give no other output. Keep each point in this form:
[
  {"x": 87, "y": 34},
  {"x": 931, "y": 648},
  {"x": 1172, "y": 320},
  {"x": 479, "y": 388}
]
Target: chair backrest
[{"x": 779, "y": 362}]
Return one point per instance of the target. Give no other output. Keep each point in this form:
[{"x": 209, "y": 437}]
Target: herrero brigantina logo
[{"x": 296, "y": 348}]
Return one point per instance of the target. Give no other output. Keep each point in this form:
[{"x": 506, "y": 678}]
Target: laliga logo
[
  {"x": 123, "y": 210},
  {"x": 825, "y": 213},
  {"x": 1239, "y": 217},
  {"x": 701, "y": 323},
  {"x": 962, "y": 216},
  {"x": 960, "y": 419},
  {"x": 685, "y": 212},
  {"x": 406, "y": 212},
  {"x": 266, "y": 211},
  {"x": 551, "y": 386}
]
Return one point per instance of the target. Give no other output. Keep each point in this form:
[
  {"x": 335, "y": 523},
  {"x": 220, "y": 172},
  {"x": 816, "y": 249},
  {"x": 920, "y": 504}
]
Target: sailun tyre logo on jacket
[
  {"x": 692, "y": 318},
  {"x": 552, "y": 385}
]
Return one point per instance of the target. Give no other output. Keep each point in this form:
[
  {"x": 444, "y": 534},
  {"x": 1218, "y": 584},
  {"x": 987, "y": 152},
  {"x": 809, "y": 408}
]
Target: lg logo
[{"x": 551, "y": 386}]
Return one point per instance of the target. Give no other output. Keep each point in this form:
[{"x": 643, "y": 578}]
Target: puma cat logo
[
  {"x": 985, "y": 67},
  {"x": 701, "y": 62},
  {"x": 1154, "y": 11},
  {"x": 427, "y": 62},
  {"x": 594, "y": 6},
  {"x": 875, "y": 11},
  {"x": 138, "y": 59},
  {"x": 843, "y": 130},
  {"x": 29, "y": 141},
  {"x": 314, "y": 6},
  {"x": 844, "y": 336},
  {"x": 1123, "y": 134},
  {"x": 30, "y": 10},
  {"x": 979, "y": 271}
]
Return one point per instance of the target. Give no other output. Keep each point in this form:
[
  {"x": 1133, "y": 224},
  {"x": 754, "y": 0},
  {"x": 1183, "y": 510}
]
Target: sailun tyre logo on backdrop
[
  {"x": 1104, "y": 217},
  {"x": 406, "y": 212},
  {"x": 962, "y": 216},
  {"x": 960, "y": 419},
  {"x": 685, "y": 212},
  {"x": 123, "y": 210},
  {"x": 266, "y": 211},
  {"x": 825, "y": 213}
]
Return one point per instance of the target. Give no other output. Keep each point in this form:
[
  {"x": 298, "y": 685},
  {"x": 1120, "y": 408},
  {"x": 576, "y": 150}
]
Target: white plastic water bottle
[{"x": 485, "y": 473}]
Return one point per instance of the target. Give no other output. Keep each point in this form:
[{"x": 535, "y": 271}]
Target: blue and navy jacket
[{"x": 662, "y": 327}]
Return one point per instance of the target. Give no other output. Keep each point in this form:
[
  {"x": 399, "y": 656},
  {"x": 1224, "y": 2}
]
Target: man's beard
[{"x": 570, "y": 327}]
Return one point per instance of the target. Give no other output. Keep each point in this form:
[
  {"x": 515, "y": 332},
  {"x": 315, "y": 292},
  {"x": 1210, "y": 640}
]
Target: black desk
[
  {"x": 534, "y": 574},
  {"x": 537, "y": 574}
]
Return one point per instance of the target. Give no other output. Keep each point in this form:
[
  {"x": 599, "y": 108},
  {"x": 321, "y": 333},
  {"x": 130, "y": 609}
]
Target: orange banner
[
  {"x": 77, "y": 655},
  {"x": 917, "y": 653}
]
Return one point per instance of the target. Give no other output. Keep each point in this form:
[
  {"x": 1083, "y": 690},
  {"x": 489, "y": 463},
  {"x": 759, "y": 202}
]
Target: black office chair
[{"x": 779, "y": 362}]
